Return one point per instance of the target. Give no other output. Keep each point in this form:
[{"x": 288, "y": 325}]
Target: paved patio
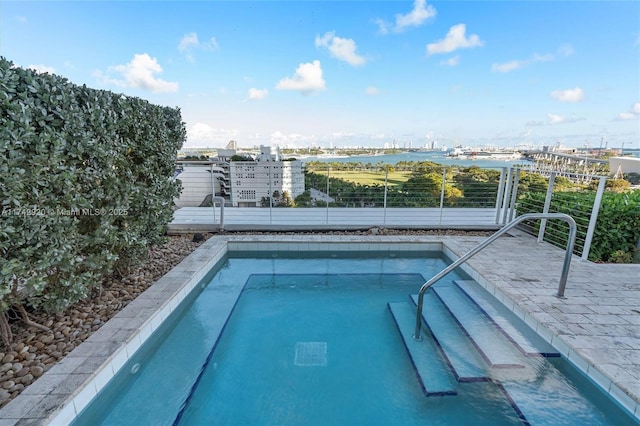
[{"x": 597, "y": 325}]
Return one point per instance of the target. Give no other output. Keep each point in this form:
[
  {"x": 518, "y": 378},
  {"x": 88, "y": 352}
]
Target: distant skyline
[{"x": 353, "y": 73}]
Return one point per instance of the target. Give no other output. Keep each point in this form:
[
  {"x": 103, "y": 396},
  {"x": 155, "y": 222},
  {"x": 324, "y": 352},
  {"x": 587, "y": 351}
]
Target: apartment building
[
  {"x": 251, "y": 181},
  {"x": 241, "y": 183}
]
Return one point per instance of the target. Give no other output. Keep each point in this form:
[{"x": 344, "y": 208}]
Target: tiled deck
[{"x": 597, "y": 325}]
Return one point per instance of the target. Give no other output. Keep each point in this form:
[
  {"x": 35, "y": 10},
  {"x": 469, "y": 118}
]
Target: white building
[
  {"x": 624, "y": 165},
  {"x": 251, "y": 181},
  {"x": 199, "y": 182}
]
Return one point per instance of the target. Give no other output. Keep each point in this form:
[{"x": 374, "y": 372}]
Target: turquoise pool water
[{"x": 312, "y": 341}]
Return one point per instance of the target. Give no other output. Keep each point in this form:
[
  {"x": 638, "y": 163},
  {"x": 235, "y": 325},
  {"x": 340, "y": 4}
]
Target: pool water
[
  {"x": 319, "y": 349},
  {"x": 312, "y": 341}
]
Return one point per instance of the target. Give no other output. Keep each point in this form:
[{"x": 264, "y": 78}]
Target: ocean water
[
  {"x": 433, "y": 156},
  {"x": 439, "y": 158}
]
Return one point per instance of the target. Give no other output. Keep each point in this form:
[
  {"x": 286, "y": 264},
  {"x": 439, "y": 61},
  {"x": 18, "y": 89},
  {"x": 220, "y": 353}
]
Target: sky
[{"x": 353, "y": 73}]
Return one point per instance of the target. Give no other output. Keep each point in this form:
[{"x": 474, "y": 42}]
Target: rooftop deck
[{"x": 597, "y": 325}]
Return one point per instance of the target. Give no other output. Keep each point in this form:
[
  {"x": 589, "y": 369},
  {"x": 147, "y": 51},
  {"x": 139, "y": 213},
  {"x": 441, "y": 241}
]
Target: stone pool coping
[{"x": 595, "y": 327}]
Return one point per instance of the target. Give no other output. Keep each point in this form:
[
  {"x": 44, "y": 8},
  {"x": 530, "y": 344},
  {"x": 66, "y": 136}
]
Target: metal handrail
[{"x": 565, "y": 266}]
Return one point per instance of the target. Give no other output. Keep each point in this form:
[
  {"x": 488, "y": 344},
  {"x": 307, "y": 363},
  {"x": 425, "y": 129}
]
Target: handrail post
[
  {"x": 492, "y": 238},
  {"x": 593, "y": 218},
  {"x": 547, "y": 204},
  {"x": 444, "y": 177},
  {"x": 499, "y": 196}
]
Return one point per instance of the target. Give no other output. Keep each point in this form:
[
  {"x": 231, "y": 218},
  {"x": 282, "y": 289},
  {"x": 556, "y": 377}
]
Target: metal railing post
[
  {"x": 213, "y": 194},
  {"x": 565, "y": 267},
  {"x": 270, "y": 194},
  {"x": 593, "y": 219},
  {"x": 386, "y": 185},
  {"x": 545, "y": 208},
  {"x": 514, "y": 193},
  {"x": 500, "y": 194},
  {"x": 507, "y": 192},
  {"x": 444, "y": 177},
  {"x": 327, "y": 217}
]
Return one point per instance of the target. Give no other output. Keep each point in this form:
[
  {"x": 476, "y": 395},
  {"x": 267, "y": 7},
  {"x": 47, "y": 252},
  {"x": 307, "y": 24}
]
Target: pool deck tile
[{"x": 595, "y": 326}]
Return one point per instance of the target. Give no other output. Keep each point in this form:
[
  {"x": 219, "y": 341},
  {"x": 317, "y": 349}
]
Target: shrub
[
  {"x": 84, "y": 184},
  {"x": 617, "y": 229}
]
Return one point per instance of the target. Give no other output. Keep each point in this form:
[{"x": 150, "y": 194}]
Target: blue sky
[{"x": 353, "y": 73}]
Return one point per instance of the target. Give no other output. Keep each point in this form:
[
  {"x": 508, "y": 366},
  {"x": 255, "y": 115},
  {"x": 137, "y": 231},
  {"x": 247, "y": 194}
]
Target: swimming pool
[{"x": 314, "y": 341}]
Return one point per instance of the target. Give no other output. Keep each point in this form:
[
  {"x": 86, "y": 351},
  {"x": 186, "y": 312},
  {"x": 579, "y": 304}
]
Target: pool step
[
  {"x": 465, "y": 361},
  {"x": 494, "y": 346},
  {"x": 431, "y": 369},
  {"x": 519, "y": 332},
  {"x": 482, "y": 340},
  {"x": 551, "y": 399}
]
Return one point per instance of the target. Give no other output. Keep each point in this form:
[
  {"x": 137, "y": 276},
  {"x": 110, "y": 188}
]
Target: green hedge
[
  {"x": 617, "y": 229},
  {"x": 85, "y": 185}
]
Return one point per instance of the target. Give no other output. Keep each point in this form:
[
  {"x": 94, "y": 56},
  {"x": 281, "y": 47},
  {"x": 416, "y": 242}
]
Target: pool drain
[{"x": 311, "y": 354}]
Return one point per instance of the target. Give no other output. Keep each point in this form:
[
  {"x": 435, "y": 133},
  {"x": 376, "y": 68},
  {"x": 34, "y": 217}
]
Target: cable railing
[{"x": 416, "y": 194}]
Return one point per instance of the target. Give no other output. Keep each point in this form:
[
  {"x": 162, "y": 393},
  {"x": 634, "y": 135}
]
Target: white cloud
[
  {"x": 507, "y": 66},
  {"x": 563, "y": 50},
  {"x": 383, "y": 26},
  {"x": 452, "y": 62},
  {"x": 202, "y": 132},
  {"x": 454, "y": 40},
  {"x": 420, "y": 13},
  {"x": 307, "y": 79},
  {"x": 341, "y": 134},
  {"x": 568, "y": 95},
  {"x": 188, "y": 41},
  {"x": 211, "y": 44},
  {"x": 279, "y": 138},
  {"x": 634, "y": 112},
  {"x": 560, "y": 119},
  {"x": 371, "y": 91},
  {"x": 343, "y": 49},
  {"x": 541, "y": 58},
  {"x": 626, "y": 116},
  {"x": 556, "y": 118},
  {"x": 257, "y": 94},
  {"x": 42, "y": 69},
  {"x": 140, "y": 74},
  {"x": 517, "y": 64}
]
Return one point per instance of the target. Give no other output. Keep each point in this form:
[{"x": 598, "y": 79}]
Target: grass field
[{"x": 368, "y": 177}]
